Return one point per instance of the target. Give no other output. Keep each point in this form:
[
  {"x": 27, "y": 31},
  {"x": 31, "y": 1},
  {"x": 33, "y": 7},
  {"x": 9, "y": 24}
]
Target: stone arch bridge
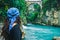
[{"x": 39, "y": 2}]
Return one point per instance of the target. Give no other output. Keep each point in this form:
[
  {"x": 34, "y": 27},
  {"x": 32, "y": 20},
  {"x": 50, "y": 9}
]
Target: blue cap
[{"x": 12, "y": 12}]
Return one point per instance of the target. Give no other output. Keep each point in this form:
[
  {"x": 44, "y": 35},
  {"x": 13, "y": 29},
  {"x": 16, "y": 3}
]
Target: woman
[{"x": 11, "y": 29}]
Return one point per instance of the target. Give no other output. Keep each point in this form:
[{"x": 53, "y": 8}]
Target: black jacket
[{"x": 15, "y": 33}]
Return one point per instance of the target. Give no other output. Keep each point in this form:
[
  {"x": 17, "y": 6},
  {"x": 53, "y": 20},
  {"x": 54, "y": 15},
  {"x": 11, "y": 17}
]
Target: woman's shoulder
[{"x": 15, "y": 24}]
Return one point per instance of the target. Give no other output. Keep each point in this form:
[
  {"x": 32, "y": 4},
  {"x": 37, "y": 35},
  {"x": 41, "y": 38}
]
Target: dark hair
[{"x": 6, "y": 23}]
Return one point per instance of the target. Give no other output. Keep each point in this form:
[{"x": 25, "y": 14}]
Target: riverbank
[{"x": 42, "y": 24}]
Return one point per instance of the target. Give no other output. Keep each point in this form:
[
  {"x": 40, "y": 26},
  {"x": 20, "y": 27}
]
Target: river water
[{"x": 39, "y": 32}]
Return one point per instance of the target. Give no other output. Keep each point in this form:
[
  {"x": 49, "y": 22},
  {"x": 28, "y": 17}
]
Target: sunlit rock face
[
  {"x": 56, "y": 38},
  {"x": 55, "y": 21},
  {"x": 55, "y": 14},
  {"x": 59, "y": 17},
  {"x": 55, "y": 18}
]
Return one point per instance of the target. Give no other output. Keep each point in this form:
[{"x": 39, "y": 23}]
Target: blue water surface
[{"x": 39, "y": 32}]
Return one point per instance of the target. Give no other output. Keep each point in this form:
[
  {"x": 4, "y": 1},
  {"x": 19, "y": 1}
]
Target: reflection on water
[{"x": 38, "y": 32}]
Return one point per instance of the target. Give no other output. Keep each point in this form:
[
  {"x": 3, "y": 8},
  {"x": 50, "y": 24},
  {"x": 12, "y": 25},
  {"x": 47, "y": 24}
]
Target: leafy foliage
[
  {"x": 48, "y": 4},
  {"x": 33, "y": 12},
  {"x": 5, "y": 4}
]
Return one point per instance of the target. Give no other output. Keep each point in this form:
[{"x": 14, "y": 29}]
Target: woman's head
[{"x": 13, "y": 16}]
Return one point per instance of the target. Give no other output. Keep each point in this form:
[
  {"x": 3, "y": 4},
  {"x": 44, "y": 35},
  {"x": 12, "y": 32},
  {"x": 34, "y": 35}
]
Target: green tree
[
  {"x": 20, "y": 4},
  {"x": 48, "y": 4},
  {"x": 33, "y": 11}
]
